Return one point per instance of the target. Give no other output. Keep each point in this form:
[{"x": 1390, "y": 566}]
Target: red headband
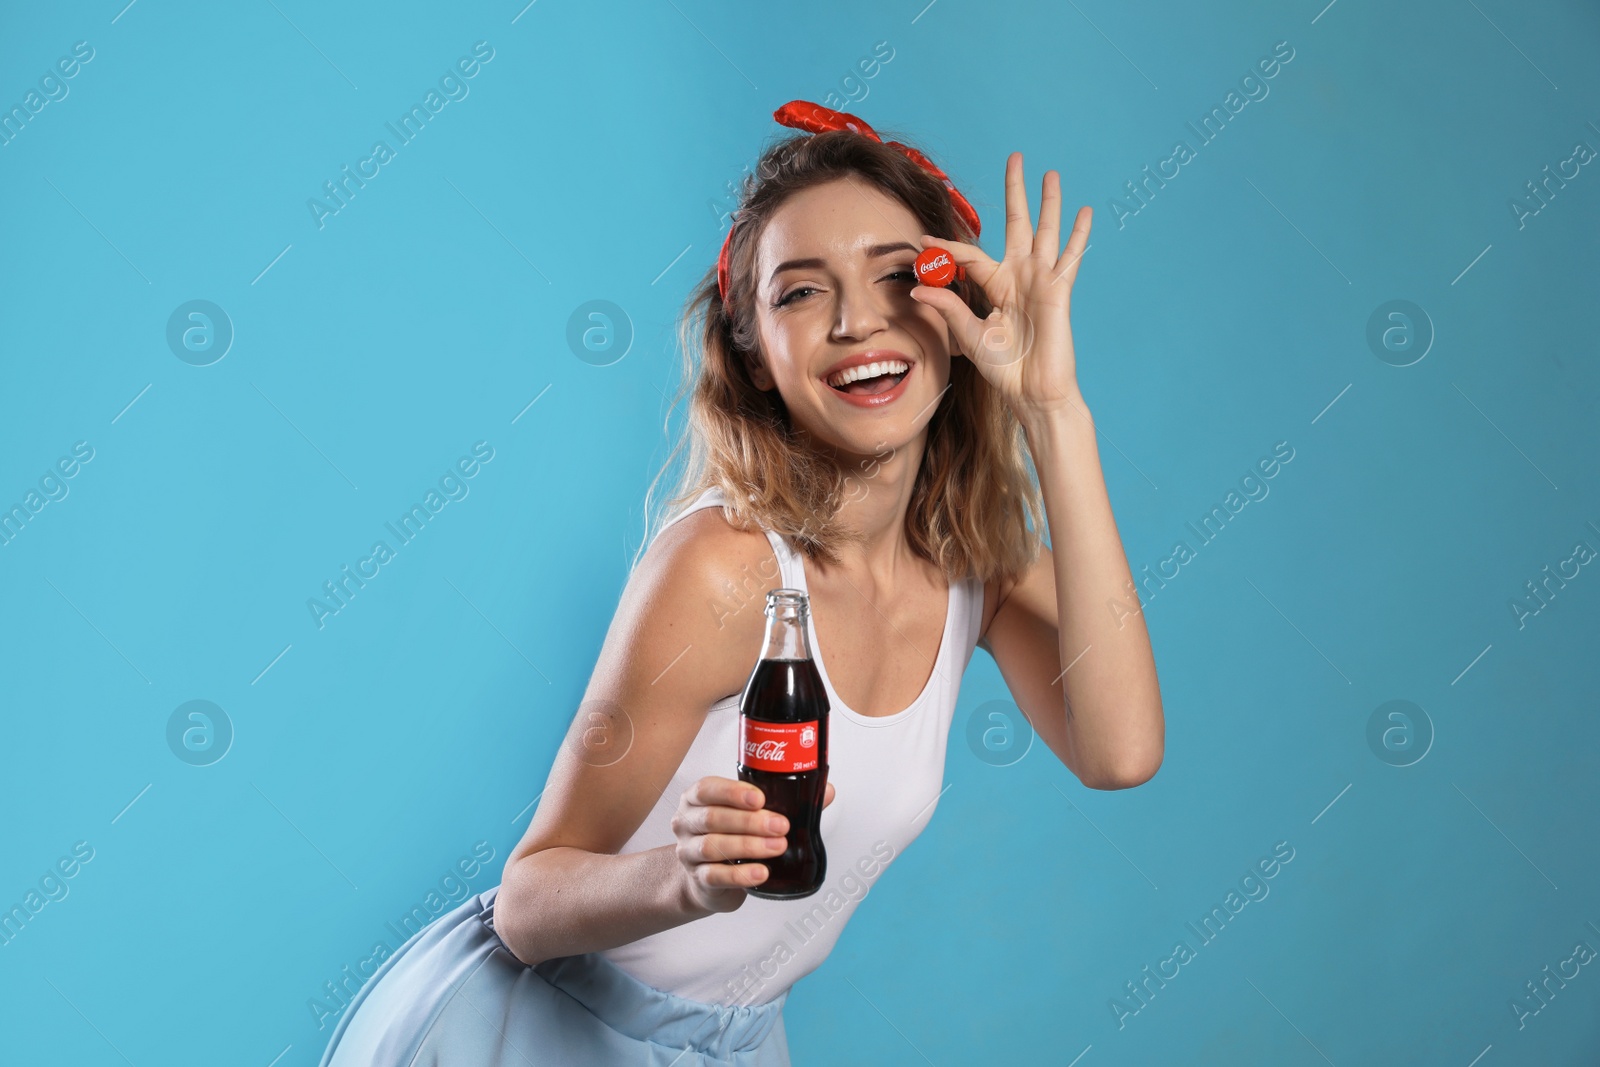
[{"x": 814, "y": 118}]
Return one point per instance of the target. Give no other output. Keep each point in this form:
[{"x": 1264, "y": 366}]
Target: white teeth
[{"x": 868, "y": 370}]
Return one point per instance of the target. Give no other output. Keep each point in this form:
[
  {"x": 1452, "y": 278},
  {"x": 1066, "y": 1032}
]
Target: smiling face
[{"x": 833, "y": 289}]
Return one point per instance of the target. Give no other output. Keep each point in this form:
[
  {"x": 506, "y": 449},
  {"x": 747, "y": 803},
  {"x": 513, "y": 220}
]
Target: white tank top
[{"x": 887, "y": 772}]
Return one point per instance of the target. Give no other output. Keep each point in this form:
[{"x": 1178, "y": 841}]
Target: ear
[{"x": 758, "y": 372}]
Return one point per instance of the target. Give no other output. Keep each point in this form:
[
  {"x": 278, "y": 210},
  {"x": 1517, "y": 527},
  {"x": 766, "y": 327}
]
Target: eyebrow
[{"x": 872, "y": 253}]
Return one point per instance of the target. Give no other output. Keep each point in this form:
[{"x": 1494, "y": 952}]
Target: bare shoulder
[
  {"x": 685, "y": 633},
  {"x": 729, "y": 569},
  {"x": 708, "y": 530}
]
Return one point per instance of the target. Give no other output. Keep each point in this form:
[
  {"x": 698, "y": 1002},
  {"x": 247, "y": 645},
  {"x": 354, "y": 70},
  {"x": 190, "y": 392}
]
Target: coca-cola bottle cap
[{"x": 936, "y": 267}]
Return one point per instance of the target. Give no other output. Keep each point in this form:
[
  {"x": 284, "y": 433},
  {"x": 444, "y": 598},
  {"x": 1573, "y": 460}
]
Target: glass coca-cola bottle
[{"x": 783, "y": 746}]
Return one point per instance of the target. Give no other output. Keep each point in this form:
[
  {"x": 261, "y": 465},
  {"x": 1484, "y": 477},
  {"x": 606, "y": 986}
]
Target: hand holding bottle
[{"x": 722, "y": 819}]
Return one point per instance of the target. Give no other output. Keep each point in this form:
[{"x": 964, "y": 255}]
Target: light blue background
[{"x": 590, "y": 161}]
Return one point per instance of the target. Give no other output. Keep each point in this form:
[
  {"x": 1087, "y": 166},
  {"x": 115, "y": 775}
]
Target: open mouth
[{"x": 879, "y": 378}]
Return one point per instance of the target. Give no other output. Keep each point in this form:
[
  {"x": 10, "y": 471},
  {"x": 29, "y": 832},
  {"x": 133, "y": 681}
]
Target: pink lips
[{"x": 875, "y": 400}]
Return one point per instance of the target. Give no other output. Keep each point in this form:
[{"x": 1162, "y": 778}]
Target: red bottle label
[{"x": 784, "y": 747}]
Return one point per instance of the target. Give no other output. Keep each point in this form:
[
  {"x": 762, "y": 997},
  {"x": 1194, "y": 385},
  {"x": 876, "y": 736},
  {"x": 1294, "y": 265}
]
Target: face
[{"x": 833, "y": 283}]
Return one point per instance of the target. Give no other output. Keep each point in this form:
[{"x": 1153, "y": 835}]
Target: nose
[{"x": 857, "y": 315}]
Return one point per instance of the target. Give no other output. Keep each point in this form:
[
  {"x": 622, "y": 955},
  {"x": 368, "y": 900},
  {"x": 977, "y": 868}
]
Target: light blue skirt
[{"x": 455, "y": 996}]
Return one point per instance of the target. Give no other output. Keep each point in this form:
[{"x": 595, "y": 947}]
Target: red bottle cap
[{"x": 935, "y": 267}]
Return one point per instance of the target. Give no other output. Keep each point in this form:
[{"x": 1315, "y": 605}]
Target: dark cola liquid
[{"x": 785, "y": 691}]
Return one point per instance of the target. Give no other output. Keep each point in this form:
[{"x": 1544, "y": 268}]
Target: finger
[
  {"x": 1047, "y": 241},
  {"x": 979, "y": 267},
  {"x": 966, "y": 329},
  {"x": 719, "y": 848},
  {"x": 699, "y": 819},
  {"x": 1066, "y": 267},
  {"x": 827, "y": 795},
  {"x": 1019, "y": 225},
  {"x": 720, "y": 819},
  {"x": 730, "y": 792},
  {"x": 731, "y": 876}
]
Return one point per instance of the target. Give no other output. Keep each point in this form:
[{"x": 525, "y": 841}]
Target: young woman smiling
[{"x": 899, "y": 496}]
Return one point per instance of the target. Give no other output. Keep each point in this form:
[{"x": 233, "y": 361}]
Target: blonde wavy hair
[{"x": 976, "y": 489}]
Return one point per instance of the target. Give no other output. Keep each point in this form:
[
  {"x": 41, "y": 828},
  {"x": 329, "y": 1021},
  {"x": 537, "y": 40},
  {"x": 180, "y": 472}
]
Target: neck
[{"x": 874, "y": 501}]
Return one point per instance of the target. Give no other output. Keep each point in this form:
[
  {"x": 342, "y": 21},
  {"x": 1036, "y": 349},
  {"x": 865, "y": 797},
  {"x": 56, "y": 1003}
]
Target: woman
[{"x": 900, "y": 502}]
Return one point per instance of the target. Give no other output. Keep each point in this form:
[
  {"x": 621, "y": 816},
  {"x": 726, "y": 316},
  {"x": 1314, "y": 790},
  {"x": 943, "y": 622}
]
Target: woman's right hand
[{"x": 721, "y": 819}]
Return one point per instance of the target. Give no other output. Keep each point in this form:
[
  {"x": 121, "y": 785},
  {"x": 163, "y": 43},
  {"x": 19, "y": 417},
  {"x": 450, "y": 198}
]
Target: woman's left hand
[{"x": 1024, "y": 347}]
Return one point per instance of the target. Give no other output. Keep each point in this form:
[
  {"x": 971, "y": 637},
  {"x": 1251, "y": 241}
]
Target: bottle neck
[{"x": 786, "y": 633}]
